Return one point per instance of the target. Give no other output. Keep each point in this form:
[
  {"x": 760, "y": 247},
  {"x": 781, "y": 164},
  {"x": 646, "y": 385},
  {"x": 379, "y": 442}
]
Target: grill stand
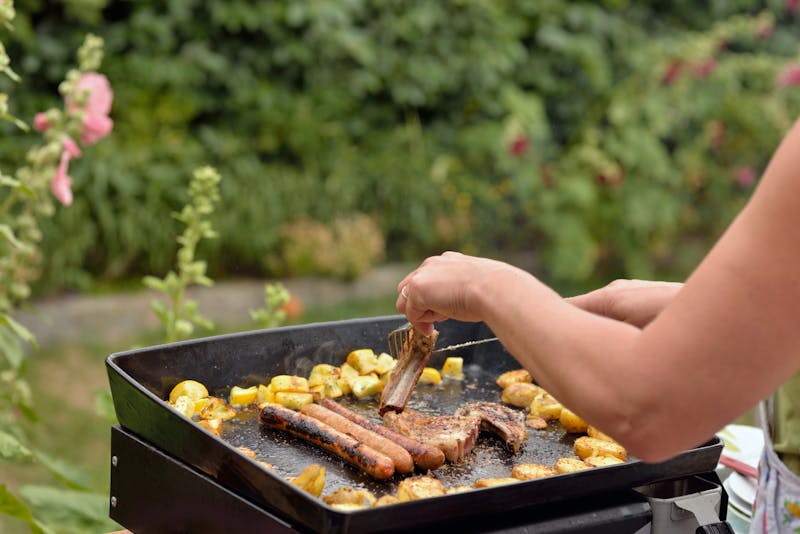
[{"x": 152, "y": 491}]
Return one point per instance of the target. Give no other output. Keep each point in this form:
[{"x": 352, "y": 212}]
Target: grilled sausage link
[
  {"x": 314, "y": 431},
  {"x": 401, "y": 458},
  {"x": 424, "y": 456}
]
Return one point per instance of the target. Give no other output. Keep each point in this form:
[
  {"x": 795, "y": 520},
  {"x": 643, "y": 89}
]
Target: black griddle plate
[{"x": 141, "y": 378}]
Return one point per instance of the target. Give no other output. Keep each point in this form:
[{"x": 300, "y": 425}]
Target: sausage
[
  {"x": 401, "y": 458},
  {"x": 425, "y": 456},
  {"x": 314, "y": 431}
]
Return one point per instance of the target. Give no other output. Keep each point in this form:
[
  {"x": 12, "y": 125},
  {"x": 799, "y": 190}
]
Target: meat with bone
[
  {"x": 506, "y": 423},
  {"x": 455, "y": 435},
  {"x": 314, "y": 431},
  {"x": 425, "y": 456},
  {"x": 403, "y": 378}
]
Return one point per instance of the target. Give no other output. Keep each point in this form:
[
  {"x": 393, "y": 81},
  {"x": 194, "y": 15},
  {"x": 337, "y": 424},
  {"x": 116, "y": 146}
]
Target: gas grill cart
[{"x": 170, "y": 475}]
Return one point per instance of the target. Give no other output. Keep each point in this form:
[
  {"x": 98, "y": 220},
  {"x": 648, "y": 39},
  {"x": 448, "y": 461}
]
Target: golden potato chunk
[
  {"x": 595, "y": 433},
  {"x": 350, "y": 496},
  {"x": 419, "y": 487},
  {"x": 532, "y": 471},
  {"x": 365, "y": 386},
  {"x": 243, "y": 396},
  {"x": 571, "y": 465},
  {"x": 545, "y": 406},
  {"x": 386, "y": 500},
  {"x": 289, "y": 384},
  {"x": 190, "y": 388},
  {"x": 453, "y": 368},
  {"x": 572, "y": 422},
  {"x": 602, "y": 461},
  {"x": 385, "y": 363},
  {"x": 311, "y": 479},
  {"x": 492, "y": 482},
  {"x": 586, "y": 446},
  {"x": 514, "y": 377},
  {"x": 535, "y": 422},
  {"x": 217, "y": 409},
  {"x": 212, "y": 425},
  {"x": 292, "y": 400},
  {"x": 430, "y": 376},
  {"x": 458, "y": 489},
  {"x": 519, "y": 394},
  {"x": 264, "y": 394},
  {"x": 365, "y": 361}
]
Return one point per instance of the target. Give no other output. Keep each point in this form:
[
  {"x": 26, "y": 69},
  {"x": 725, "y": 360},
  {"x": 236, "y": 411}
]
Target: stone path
[{"x": 118, "y": 317}]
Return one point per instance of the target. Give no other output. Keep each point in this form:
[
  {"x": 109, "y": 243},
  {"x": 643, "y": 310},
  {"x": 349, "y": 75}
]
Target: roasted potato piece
[
  {"x": 453, "y": 368},
  {"x": 532, "y": 471},
  {"x": 243, "y": 396},
  {"x": 572, "y": 422},
  {"x": 520, "y": 394},
  {"x": 311, "y": 479},
  {"x": 514, "y": 377},
  {"x": 365, "y": 386},
  {"x": 594, "y": 433},
  {"x": 350, "y": 496},
  {"x": 365, "y": 361},
  {"x": 458, "y": 489},
  {"x": 570, "y": 465},
  {"x": 264, "y": 394},
  {"x": 429, "y": 376},
  {"x": 586, "y": 446},
  {"x": 212, "y": 425},
  {"x": 386, "y": 500},
  {"x": 322, "y": 373},
  {"x": 217, "y": 409},
  {"x": 492, "y": 482},
  {"x": 385, "y": 363},
  {"x": 545, "y": 406},
  {"x": 190, "y": 388},
  {"x": 535, "y": 422},
  {"x": 289, "y": 384},
  {"x": 292, "y": 400},
  {"x": 602, "y": 461},
  {"x": 419, "y": 487},
  {"x": 184, "y": 405}
]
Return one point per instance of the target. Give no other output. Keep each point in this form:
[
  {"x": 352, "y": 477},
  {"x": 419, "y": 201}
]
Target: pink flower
[
  {"x": 96, "y": 122},
  {"x": 519, "y": 146},
  {"x": 40, "y": 123},
  {"x": 790, "y": 76},
  {"x": 792, "y": 5},
  {"x": 71, "y": 148},
  {"x": 745, "y": 176},
  {"x": 61, "y": 184},
  {"x": 673, "y": 71}
]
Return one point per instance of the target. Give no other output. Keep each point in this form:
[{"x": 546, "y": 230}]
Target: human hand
[
  {"x": 444, "y": 286},
  {"x": 635, "y": 302}
]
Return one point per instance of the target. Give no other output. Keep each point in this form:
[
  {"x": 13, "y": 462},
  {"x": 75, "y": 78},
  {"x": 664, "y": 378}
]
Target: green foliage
[
  {"x": 272, "y": 314},
  {"x": 480, "y": 126},
  {"x": 181, "y": 315}
]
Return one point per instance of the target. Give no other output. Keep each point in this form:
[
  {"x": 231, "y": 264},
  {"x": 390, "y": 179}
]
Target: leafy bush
[{"x": 482, "y": 126}]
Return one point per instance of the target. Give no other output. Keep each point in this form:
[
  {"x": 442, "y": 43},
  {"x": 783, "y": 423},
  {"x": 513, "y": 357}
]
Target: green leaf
[
  {"x": 12, "y": 506},
  {"x": 104, "y": 405},
  {"x": 154, "y": 283},
  {"x": 8, "y": 234},
  {"x": 12, "y": 449},
  {"x": 18, "y": 329},
  {"x": 71, "y": 475},
  {"x": 69, "y": 509}
]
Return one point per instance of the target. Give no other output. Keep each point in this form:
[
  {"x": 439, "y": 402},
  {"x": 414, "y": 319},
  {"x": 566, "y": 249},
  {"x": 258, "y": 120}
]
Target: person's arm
[
  {"x": 728, "y": 338},
  {"x": 636, "y": 302}
]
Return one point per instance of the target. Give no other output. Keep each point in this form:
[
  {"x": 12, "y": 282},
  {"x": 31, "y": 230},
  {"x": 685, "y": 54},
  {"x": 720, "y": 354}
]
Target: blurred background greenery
[{"x": 594, "y": 139}]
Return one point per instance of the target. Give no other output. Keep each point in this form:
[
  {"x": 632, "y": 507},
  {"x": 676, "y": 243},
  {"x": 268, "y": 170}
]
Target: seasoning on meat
[
  {"x": 403, "y": 378},
  {"x": 506, "y": 423},
  {"x": 455, "y": 435}
]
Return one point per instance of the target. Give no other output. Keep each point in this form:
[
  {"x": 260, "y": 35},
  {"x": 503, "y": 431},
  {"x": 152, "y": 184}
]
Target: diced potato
[
  {"x": 289, "y": 384},
  {"x": 458, "y": 489},
  {"x": 212, "y": 425},
  {"x": 572, "y": 422},
  {"x": 323, "y": 373},
  {"x": 429, "y": 376},
  {"x": 184, "y": 405},
  {"x": 535, "y": 422},
  {"x": 545, "y": 406},
  {"x": 265, "y": 394},
  {"x": 347, "y": 371},
  {"x": 190, "y": 388},
  {"x": 571, "y": 465},
  {"x": 317, "y": 391},
  {"x": 514, "y": 377},
  {"x": 586, "y": 446},
  {"x": 492, "y": 482},
  {"x": 387, "y": 500},
  {"x": 344, "y": 385},
  {"x": 602, "y": 461},
  {"x": 385, "y": 363},
  {"x": 293, "y": 400},
  {"x": 453, "y": 368},
  {"x": 199, "y": 404},
  {"x": 365, "y": 361},
  {"x": 365, "y": 386},
  {"x": 350, "y": 496},
  {"x": 594, "y": 433},
  {"x": 419, "y": 487},
  {"x": 312, "y": 479},
  {"x": 243, "y": 396},
  {"x": 519, "y": 394},
  {"x": 532, "y": 471},
  {"x": 217, "y": 409}
]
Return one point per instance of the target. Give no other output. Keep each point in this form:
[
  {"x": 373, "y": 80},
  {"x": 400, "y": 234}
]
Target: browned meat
[
  {"x": 505, "y": 422},
  {"x": 455, "y": 435},
  {"x": 403, "y": 378},
  {"x": 315, "y": 431},
  {"x": 425, "y": 456}
]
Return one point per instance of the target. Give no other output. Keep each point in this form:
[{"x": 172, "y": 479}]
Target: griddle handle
[{"x": 715, "y": 528}]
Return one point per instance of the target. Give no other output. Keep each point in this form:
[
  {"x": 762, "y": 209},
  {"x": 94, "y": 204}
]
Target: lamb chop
[
  {"x": 455, "y": 435},
  {"x": 413, "y": 355},
  {"x": 508, "y": 424}
]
